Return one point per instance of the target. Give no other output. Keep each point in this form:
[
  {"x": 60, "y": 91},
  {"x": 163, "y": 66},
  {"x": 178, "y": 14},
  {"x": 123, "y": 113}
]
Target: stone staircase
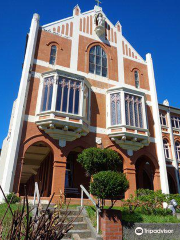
[{"x": 80, "y": 226}]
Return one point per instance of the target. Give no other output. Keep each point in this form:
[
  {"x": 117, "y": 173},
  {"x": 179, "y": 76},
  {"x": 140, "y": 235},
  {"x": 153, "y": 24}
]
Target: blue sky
[{"x": 150, "y": 26}]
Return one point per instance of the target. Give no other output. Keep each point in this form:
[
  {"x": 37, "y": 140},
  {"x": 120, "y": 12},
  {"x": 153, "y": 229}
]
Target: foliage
[
  {"x": 109, "y": 185},
  {"x": 11, "y": 197},
  {"x": 44, "y": 224},
  {"x": 95, "y": 160}
]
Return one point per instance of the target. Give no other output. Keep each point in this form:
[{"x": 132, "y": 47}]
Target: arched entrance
[
  {"x": 145, "y": 171},
  {"x": 172, "y": 185},
  {"x": 75, "y": 175},
  {"x": 37, "y": 167}
]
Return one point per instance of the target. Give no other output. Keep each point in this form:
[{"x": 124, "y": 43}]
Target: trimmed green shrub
[
  {"x": 12, "y": 195},
  {"x": 95, "y": 160},
  {"x": 109, "y": 185}
]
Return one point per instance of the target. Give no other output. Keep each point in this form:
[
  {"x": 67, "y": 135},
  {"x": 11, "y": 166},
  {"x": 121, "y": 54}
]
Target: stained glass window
[
  {"x": 133, "y": 110},
  {"x": 47, "y": 93},
  {"x": 68, "y": 95},
  {"x": 98, "y": 61},
  {"x": 53, "y": 55},
  {"x": 115, "y": 99}
]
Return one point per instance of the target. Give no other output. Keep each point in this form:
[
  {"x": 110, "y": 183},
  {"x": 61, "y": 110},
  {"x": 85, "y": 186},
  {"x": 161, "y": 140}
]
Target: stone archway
[
  {"x": 75, "y": 175},
  {"x": 172, "y": 184},
  {"x": 145, "y": 172},
  {"x": 37, "y": 167}
]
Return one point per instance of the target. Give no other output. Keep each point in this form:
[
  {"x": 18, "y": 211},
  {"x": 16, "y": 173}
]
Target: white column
[
  {"x": 75, "y": 40},
  {"x": 12, "y": 154},
  {"x": 120, "y": 55},
  {"x": 175, "y": 164},
  {"x": 157, "y": 126}
]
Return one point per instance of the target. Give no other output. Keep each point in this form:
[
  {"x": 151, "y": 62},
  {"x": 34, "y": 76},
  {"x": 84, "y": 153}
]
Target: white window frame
[
  {"x": 163, "y": 116},
  {"x": 177, "y": 150},
  {"x": 54, "y": 96},
  {"x": 166, "y": 149},
  {"x": 124, "y": 91},
  {"x": 176, "y": 121}
]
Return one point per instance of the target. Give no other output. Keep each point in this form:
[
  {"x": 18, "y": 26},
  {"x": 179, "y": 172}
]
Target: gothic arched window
[
  {"x": 177, "y": 145},
  {"x": 166, "y": 148},
  {"x": 98, "y": 61},
  {"x": 53, "y": 54},
  {"x": 136, "y": 76}
]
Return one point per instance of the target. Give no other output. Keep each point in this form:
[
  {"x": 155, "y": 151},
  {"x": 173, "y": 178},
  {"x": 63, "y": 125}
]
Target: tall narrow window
[
  {"x": 47, "y": 94},
  {"x": 68, "y": 96},
  {"x": 98, "y": 61},
  {"x": 163, "y": 119},
  {"x": 53, "y": 55},
  {"x": 166, "y": 148},
  {"x": 177, "y": 145},
  {"x": 136, "y": 76},
  {"x": 115, "y": 99},
  {"x": 133, "y": 110}
]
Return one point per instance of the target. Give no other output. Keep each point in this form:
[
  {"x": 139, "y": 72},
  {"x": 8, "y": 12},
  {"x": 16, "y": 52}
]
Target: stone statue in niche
[{"x": 99, "y": 21}]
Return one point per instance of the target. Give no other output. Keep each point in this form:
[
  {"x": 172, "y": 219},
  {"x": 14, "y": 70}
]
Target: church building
[{"x": 83, "y": 85}]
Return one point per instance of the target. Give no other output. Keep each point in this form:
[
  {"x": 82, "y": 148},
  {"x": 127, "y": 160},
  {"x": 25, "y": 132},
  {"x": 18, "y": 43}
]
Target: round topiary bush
[
  {"x": 95, "y": 160},
  {"x": 109, "y": 185}
]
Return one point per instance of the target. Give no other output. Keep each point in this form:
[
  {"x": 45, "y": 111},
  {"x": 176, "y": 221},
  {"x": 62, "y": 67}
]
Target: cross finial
[{"x": 98, "y": 2}]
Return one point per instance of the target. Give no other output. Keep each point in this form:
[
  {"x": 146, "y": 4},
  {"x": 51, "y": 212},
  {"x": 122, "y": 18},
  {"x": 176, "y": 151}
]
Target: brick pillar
[
  {"x": 58, "y": 179},
  {"x": 157, "y": 185},
  {"x": 110, "y": 224},
  {"x": 131, "y": 176}
]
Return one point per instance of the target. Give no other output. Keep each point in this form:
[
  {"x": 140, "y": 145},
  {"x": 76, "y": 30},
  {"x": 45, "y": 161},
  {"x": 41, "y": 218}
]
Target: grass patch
[
  {"x": 8, "y": 219},
  {"x": 136, "y": 217}
]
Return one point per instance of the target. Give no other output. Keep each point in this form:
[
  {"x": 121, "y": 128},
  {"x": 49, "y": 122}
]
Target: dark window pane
[
  {"x": 45, "y": 97},
  {"x": 93, "y": 50},
  {"x": 98, "y": 60},
  {"x": 104, "y": 72},
  {"x": 53, "y": 55},
  {"x": 91, "y": 68},
  {"x": 71, "y": 100},
  {"x": 104, "y": 62},
  {"x": 98, "y": 50},
  {"x": 50, "y": 97},
  {"x": 58, "y": 101},
  {"x": 64, "y": 107},
  {"x": 92, "y": 58},
  {"x": 98, "y": 70},
  {"x": 76, "y": 110}
]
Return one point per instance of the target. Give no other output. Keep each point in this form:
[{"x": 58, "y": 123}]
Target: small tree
[
  {"x": 109, "y": 185},
  {"x": 95, "y": 160}
]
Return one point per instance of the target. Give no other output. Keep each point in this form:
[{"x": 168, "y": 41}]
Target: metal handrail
[
  {"x": 98, "y": 210},
  {"x": 36, "y": 193}
]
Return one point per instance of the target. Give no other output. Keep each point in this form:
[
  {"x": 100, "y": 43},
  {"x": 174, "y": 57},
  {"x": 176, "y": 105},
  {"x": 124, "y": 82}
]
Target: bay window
[
  {"x": 133, "y": 109},
  {"x": 68, "y": 95},
  {"x": 65, "y": 94}
]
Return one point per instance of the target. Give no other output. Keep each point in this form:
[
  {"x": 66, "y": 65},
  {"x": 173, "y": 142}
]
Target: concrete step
[
  {"x": 78, "y": 219},
  {"x": 72, "y": 212},
  {"x": 79, "y": 226},
  {"x": 85, "y": 233}
]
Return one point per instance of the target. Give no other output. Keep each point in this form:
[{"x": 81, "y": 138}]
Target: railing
[
  {"x": 36, "y": 193},
  {"x": 98, "y": 210}
]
